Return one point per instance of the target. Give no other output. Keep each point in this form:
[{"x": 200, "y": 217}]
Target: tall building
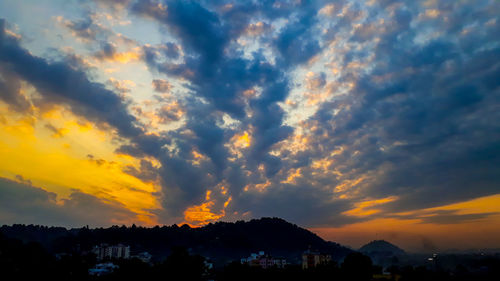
[
  {"x": 311, "y": 259},
  {"x": 112, "y": 252}
]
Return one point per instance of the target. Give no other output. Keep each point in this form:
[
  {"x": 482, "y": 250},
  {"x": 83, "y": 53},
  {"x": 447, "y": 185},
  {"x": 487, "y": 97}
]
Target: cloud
[
  {"x": 297, "y": 42},
  {"x": 10, "y": 92},
  {"x": 161, "y": 86},
  {"x": 408, "y": 125},
  {"x": 220, "y": 79},
  {"x": 258, "y": 28},
  {"x": 446, "y": 217},
  {"x": 114, "y": 4},
  {"x": 419, "y": 119},
  {"x": 397, "y": 103},
  {"x": 61, "y": 82},
  {"x": 198, "y": 28},
  {"x": 21, "y": 202},
  {"x": 57, "y": 132},
  {"x": 109, "y": 52},
  {"x": 85, "y": 29},
  {"x": 170, "y": 112}
]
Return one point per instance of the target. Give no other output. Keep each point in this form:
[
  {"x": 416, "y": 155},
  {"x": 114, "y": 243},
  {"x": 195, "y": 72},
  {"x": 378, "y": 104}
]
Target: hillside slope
[{"x": 221, "y": 241}]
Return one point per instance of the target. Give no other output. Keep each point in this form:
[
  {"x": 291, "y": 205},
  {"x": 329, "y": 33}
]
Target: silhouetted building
[
  {"x": 113, "y": 252},
  {"x": 311, "y": 259},
  {"x": 264, "y": 261}
]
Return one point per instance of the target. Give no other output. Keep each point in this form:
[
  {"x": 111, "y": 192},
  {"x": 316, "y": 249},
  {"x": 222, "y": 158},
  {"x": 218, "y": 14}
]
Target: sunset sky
[{"x": 358, "y": 120}]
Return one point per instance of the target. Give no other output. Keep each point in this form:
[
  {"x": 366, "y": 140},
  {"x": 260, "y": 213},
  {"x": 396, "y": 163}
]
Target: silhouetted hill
[
  {"x": 381, "y": 247},
  {"x": 383, "y": 253},
  {"x": 221, "y": 241}
]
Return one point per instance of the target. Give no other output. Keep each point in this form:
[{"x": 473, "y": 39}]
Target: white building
[{"x": 113, "y": 252}]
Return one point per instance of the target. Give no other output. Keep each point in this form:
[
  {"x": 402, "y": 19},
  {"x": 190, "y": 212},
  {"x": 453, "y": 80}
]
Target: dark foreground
[{"x": 31, "y": 261}]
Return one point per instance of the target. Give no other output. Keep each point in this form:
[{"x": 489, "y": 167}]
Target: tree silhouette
[{"x": 357, "y": 267}]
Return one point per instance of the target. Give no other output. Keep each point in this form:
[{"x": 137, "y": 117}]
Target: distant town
[
  {"x": 221, "y": 251},
  {"x": 105, "y": 254}
]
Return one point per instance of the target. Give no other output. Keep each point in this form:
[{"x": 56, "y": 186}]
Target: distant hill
[
  {"x": 221, "y": 241},
  {"x": 383, "y": 253},
  {"x": 381, "y": 247}
]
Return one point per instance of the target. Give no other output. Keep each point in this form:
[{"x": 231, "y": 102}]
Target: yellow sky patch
[
  {"x": 242, "y": 141},
  {"x": 82, "y": 158}
]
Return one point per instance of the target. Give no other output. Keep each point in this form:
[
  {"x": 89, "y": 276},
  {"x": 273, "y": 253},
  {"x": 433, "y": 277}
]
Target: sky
[{"x": 358, "y": 120}]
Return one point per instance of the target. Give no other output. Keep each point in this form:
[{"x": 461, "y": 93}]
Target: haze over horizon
[{"x": 358, "y": 120}]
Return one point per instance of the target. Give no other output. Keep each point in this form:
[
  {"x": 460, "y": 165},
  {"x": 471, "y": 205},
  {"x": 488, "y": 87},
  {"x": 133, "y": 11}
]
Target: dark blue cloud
[
  {"x": 417, "y": 129},
  {"x": 220, "y": 75},
  {"x": 427, "y": 129},
  {"x": 198, "y": 28},
  {"x": 297, "y": 43}
]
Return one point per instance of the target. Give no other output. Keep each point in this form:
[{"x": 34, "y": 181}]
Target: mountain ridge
[{"x": 221, "y": 241}]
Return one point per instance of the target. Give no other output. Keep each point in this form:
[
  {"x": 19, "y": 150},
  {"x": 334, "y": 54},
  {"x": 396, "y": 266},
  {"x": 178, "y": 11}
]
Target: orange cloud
[
  {"x": 292, "y": 176},
  {"x": 414, "y": 235},
  {"x": 260, "y": 187},
  {"x": 239, "y": 142},
  {"x": 125, "y": 57},
  {"x": 202, "y": 214},
  {"x": 242, "y": 140},
  {"x": 367, "y": 208}
]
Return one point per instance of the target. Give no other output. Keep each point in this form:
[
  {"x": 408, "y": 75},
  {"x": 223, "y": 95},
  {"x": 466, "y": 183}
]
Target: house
[{"x": 264, "y": 261}]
